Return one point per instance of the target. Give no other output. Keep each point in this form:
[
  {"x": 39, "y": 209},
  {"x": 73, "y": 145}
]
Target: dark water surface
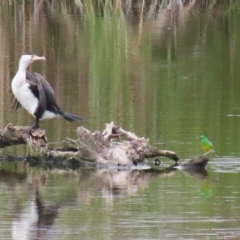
[{"x": 166, "y": 72}]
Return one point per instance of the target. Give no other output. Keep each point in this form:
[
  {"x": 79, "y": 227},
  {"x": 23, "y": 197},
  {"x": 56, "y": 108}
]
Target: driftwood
[
  {"x": 113, "y": 145},
  {"x": 197, "y": 162},
  {"x": 14, "y": 135}
]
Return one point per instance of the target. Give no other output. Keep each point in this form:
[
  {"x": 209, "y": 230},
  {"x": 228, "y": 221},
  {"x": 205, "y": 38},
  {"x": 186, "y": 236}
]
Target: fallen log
[
  {"x": 112, "y": 145},
  {"x": 15, "y": 135},
  {"x": 197, "y": 162}
]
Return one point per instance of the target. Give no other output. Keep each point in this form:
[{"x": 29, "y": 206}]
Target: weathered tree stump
[{"x": 113, "y": 145}]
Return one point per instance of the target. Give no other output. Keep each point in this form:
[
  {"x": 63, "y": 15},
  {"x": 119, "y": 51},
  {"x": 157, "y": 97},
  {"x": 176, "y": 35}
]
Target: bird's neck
[
  {"x": 21, "y": 73},
  {"x": 20, "y": 77}
]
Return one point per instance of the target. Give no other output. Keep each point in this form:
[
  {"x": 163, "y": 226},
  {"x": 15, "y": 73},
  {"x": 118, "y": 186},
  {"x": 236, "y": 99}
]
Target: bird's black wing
[
  {"x": 49, "y": 94},
  {"x": 37, "y": 92},
  {"x": 33, "y": 84},
  {"x": 44, "y": 92}
]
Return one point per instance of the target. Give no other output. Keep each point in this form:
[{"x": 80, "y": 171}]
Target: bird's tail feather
[
  {"x": 211, "y": 150},
  {"x": 217, "y": 154},
  {"x": 70, "y": 117}
]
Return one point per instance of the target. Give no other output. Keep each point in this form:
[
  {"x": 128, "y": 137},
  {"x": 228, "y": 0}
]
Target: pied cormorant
[{"x": 35, "y": 94}]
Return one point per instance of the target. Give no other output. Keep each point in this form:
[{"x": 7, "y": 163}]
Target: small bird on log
[
  {"x": 207, "y": 146},
  {"x": 35, "y": 94}
]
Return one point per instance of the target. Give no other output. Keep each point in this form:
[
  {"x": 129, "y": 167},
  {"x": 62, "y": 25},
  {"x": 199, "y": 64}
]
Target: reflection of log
[
  {"x": 11, "y": 179},
  {"x": 199, "y": 173},
  {"x": 110, "y": 183},
  {"x": 111, "y": 145}
]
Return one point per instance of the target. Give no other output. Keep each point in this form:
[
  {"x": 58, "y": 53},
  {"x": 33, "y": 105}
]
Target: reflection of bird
[
  {"x": 206, "y": 190},
  {"x": 206, "y": 144},
  {"x": 35, "y": 94}
]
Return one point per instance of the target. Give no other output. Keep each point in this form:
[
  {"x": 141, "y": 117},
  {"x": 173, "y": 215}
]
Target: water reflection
[
  {"x": 34, "y": 216},
  {"x": 12, "y": 179},
  {"x": 41, "y": 203},
  {"x": 110, "y": 184},
  {"x": 35, "y": 220},
  {"x": 201, "y": 174}
]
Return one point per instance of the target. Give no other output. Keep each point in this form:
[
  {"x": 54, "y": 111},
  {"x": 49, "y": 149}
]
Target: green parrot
[{"x": 206, "y": 144}]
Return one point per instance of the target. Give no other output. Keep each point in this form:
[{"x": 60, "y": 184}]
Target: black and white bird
[{"x": 35, "y": 94}]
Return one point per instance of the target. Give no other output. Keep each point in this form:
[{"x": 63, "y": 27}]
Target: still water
[{"x": 169, "y": 72}]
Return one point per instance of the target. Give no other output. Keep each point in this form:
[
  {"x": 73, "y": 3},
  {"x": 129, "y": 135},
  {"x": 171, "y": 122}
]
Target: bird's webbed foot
[{"x": 29, "y": 130}]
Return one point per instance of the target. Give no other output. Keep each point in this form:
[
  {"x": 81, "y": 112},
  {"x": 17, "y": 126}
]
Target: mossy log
[{"x": 112, "y": 145}]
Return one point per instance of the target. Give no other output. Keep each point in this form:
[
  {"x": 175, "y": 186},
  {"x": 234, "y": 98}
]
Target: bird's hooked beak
[{"x": 35, "y": 58}]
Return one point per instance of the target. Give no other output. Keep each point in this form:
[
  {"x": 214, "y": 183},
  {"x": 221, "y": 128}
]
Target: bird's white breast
[{"x": 24, "y": 95}]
